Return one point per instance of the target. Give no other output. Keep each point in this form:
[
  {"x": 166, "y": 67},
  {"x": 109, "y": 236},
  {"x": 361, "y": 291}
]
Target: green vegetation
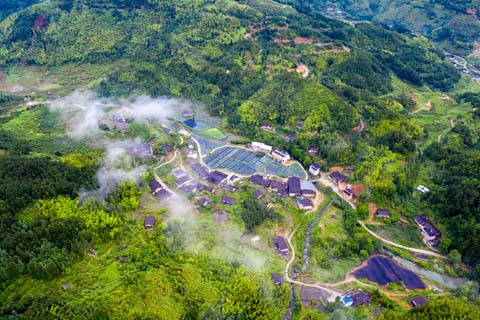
[
  {"x": 451, "y": 24},
  {"x": 213, "y": 133},
  {"x": 438, "y": 309},
  {"x": 386, "y": 103},
  {"x": 254, "y": 213},
  {"x": 26, "y": 179}
]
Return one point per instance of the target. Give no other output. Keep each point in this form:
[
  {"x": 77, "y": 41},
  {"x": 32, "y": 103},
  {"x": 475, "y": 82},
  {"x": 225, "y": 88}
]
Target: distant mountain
[{"x": 454, "y": 25}]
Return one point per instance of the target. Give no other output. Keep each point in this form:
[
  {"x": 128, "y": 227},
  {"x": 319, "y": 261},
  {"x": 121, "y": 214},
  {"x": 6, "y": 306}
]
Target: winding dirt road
[
  {"x": 334, "y": 293},
  {"x": 421, "y": 251}
]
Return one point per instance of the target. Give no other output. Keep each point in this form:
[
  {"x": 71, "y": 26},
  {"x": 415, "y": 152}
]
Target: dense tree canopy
[{"x": 26, "y": 179}]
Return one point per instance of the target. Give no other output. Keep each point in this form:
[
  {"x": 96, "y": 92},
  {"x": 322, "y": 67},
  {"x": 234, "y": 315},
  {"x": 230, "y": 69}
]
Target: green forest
[{"x": 383, "y": 101}]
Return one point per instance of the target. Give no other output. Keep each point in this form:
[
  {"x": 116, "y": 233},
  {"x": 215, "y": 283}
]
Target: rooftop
[
  {"x": 203, "y": 202},
  {"x": 228, "y": 201},
  {"x": 257, "y": 179},
  {"x": 154, "y": 186},
  {"x": 279, "y": 185},
  {"x": 307, "y": 185},
  {"x": 428, "y": 226},
  {"x": 216, "y": 177},
  {"x": 144, "y": 149},
  {"x": 182, "y": 180},
  {"x": 360, "y": 298},
  {"x": 418, "y": 301},
  {"x": 200, "y": 170},
  {"x": 337, "y": 176},
  {"x": 149, "y": 223},
  {"x": 258, "y": 194},
  {"x": 277, "y": 278},
  {"x": 382, "y": 213},
  {"x": 178, "y": 172},
  {"x": 294, "y": 187},
  {"x": 280, "y": 243},
  {"x": 163, "y": 194}
]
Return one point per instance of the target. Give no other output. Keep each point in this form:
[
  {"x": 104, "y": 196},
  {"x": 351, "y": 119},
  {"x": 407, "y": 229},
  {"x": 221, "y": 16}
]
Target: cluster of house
[
  {"x": 429, "y": 232},
  {"x": 187, "y": 184},
  {"x": 217, "y": 178},
  {"x": 117, "y": 122},
  {"x": 355, "y": 298},
  {"x": 294, "y": 187},
  {"x": 277, "y": 154},
  {"x": 458, "y": 63},
  {"x": 159, "y": 191},
  {"x": 342, "y": 182}
]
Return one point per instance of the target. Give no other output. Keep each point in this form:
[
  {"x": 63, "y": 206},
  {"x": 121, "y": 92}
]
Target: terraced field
[{"x": 247, "y": 162}]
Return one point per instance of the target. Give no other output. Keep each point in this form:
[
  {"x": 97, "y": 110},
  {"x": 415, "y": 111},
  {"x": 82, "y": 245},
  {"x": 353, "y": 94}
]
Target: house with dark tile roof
[
  {"x": 182, "y": 180},
  {"x": 279, "y": 186},
  {"x": 290, "y": 136},
  {"x": 382, "y": 213},
  {"x": 427, "y": 229},
  {"x": 200, "y": 170},
  {"x": 155, "y": 186},
  {"x": 149, "y": 223},
  {"x": 312, "y": 149},
  {"x": 216, "y": 177},
  {"x": 258, "y": 194},
  {"x": 281, "y": 245},
  {"x": 257, "y": 179},
  {"x": 294, "y": 188},
  {"x": 228, "y": 201},
  {"x": 144, "y": 150},
  {"x": 337, "y": 177},
  {"x": 164, "y": 194},
  {"x": 418, "y": 301},
  {"x": 305, "y": 204},
  {"x": 356, "y": 299},
  {"x": 203, "y": 202},
  {"x": 277, "y": 279}
]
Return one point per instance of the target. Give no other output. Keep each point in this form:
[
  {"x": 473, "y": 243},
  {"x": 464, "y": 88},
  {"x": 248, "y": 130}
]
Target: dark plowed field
[{"x": 383, "y": 270}]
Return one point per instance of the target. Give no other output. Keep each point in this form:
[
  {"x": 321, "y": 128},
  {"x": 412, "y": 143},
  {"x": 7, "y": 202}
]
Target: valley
[{"x": 233, "y": 160}]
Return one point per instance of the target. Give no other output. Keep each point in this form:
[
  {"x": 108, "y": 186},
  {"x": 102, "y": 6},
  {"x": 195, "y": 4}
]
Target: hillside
[
  {"x": 453, "y": 25},
  {"x": 131, "y": 186}
]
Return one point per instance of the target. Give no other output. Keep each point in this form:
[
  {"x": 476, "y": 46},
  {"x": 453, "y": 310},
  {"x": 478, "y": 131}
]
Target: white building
[
  {"x": 259, "y": 146},
  {"x": 281, "y": 155},
  {"x": 314, "y": 169}
]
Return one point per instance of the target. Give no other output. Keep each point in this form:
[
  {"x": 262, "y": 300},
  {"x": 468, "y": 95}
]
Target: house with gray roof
[{"x": 308, "y": 189}]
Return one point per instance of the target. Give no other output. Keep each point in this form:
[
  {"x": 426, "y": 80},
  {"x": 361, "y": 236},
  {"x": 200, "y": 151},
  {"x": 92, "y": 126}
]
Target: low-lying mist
[{"x": 84, "y": 111}]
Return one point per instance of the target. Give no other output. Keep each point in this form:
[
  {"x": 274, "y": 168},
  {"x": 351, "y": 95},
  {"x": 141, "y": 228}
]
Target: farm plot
[
  {"x": 383, "y": 271},
  {"x": 206, "y": 146},
  {"x": 202, "y": 121},
  {"x": 247, "y": 162}
]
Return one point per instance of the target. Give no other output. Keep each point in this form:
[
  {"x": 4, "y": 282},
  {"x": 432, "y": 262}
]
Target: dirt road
[{"x": 421, "y": 251}]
